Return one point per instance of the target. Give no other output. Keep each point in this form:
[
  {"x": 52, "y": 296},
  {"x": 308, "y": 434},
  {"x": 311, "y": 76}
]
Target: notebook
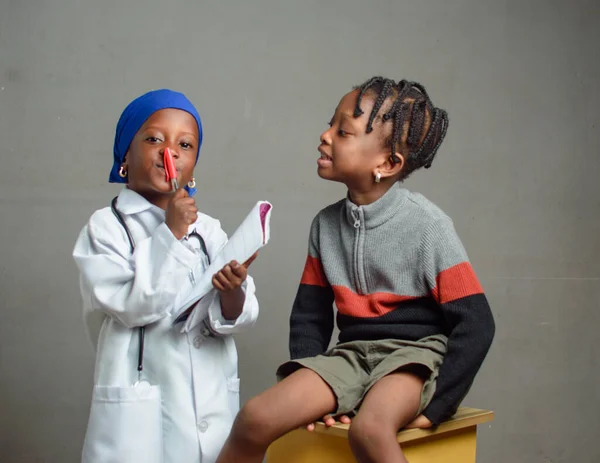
[{"x": 252, "y": 234}]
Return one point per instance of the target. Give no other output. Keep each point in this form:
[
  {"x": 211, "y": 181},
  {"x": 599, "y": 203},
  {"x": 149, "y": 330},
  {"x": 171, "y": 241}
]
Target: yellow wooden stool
[{"x": 451, "y": 442}]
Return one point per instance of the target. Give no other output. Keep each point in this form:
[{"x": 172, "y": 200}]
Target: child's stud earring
[
  {"x": 123, "y": 171},
  {"x": 378, "y": 177},
  {"x": 192, "y": 183}
]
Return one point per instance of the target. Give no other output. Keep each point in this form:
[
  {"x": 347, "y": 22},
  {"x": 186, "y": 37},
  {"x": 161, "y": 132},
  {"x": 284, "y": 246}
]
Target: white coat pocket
[
  {"x": 125, "y": 426},
  {"x": 233, "y": 395}
]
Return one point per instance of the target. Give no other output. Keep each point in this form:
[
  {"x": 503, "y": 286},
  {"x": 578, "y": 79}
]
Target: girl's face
[
  {"x": 348, "y": 153},
  {"x": 168, "y": 128}
]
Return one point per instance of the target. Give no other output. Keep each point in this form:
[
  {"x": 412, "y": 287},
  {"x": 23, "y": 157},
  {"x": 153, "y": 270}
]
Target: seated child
[{"x": 414, "y": 323}]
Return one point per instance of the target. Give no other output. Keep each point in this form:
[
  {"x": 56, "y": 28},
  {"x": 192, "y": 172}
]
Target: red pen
[{"x": 170, "y": 169}]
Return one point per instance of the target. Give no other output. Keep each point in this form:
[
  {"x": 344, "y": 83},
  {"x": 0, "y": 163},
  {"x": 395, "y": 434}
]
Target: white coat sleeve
[
  {"x": 246, "y": 319},
  {"x": 135, "y": 289}
]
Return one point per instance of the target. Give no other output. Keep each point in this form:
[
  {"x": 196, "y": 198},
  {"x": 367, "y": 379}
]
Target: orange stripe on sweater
[
  {"x": 455, "y": 283},
  {"x": 313, "y": 273},
  {"x": 368, "y": 305}
]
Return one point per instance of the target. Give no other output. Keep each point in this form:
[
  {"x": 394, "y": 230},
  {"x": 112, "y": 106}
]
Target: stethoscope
[
  {"x": 142, "y": 330},
  {"x": 141, "y": 382}
]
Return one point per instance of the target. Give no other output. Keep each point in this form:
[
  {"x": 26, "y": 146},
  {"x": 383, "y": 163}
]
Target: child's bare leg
[
  {"x": 299, "y": 399},
  {"x": 390, "y": 404}
]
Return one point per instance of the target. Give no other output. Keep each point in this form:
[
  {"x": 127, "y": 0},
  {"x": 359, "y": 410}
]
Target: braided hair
[{"x": 418, "y": 128}]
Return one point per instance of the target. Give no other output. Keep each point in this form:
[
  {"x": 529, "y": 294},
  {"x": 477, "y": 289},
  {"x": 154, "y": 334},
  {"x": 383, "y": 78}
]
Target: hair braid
[
  {"x": 383, "y": 94},
  {"x": 427, "y": 125},
  {"x": 364, "y": 88},
  {"x": 417, "y": 122},
  {"x": 434, "y": 138},
  {"x": 397, "y": 131}
]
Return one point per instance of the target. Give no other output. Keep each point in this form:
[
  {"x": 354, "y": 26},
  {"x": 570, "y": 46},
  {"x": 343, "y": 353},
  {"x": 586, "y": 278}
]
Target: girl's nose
[{"x": 173, "y": 151}]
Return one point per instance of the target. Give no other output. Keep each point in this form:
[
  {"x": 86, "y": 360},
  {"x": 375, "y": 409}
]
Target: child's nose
[
  {"x": 326, "y": 137},
  {"x": 173, "y": 151}
]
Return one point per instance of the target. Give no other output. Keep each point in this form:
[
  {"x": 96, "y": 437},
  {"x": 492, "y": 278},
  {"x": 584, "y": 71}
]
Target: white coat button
[
  {"x": 205, "y": 332},
  {"x": 203, "y": 426},
  {"x": 197, "y": 342}
]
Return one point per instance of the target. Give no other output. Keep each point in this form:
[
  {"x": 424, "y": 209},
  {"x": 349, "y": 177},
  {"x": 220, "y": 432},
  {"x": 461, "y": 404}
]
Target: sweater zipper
[{"x": 356, "y": 264}]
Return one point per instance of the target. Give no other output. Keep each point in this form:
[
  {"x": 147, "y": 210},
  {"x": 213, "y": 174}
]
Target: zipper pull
[{"x": 356, "y": 218}]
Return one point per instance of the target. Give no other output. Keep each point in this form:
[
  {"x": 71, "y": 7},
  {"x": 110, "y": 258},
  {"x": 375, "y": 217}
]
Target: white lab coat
[{"x": 196, "y": 371}]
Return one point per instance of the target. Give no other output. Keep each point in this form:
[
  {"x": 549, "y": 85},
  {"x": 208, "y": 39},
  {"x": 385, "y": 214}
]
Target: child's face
[
  {"x": 349, "y": 154},
  {"x": 167, "y": 128}
]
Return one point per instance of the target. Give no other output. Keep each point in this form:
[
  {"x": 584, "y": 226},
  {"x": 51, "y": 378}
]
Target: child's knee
[
  {"x": 370, "y": 431},
  {"x": 253, "y": 414},
  {"x": 365, "y": 430},
  {"x": 253, "y": 422}
]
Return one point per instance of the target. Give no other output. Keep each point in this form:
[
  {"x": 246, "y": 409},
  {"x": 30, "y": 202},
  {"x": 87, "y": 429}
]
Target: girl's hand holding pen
[{"x": 181, "y": 212}]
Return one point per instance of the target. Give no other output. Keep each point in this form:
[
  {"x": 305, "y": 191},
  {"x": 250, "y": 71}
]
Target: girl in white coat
[{"x": 138, "y": 261}]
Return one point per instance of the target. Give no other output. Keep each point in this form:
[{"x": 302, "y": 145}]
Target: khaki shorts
[{"x": 352, "y": 368}]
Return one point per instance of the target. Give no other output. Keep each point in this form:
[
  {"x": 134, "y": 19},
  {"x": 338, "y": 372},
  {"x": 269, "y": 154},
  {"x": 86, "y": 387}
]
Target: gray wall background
[{"x": 518, "y": 173}]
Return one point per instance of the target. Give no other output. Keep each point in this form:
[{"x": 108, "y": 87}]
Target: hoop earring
[
  {"x": 378, "y": 177},
  {"x": 192, "y": 183},
  {"x": 122, "y": 171}
]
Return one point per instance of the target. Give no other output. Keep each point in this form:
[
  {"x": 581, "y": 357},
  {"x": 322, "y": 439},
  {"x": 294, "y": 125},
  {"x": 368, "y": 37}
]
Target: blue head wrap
[{"x": 134, "y": 116}]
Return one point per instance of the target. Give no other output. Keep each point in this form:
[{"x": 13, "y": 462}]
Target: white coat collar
[{"x": 130, "y": 202}]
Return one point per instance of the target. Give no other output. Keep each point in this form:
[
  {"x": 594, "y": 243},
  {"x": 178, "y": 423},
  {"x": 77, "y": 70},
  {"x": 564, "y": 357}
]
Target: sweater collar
[{"x": 379, "y": 212}]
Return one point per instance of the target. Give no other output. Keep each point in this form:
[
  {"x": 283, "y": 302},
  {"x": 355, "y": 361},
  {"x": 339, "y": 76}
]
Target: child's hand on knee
[
  {"x": 330, "y": 421},
  {"x": 420, "y": 422}
]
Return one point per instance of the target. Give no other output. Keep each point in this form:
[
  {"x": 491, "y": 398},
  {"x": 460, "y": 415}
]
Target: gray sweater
[{"x": 395, "y": 269}]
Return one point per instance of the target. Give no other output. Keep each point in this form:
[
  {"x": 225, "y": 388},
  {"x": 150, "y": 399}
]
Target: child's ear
[{"x": 392, "y": 166}]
